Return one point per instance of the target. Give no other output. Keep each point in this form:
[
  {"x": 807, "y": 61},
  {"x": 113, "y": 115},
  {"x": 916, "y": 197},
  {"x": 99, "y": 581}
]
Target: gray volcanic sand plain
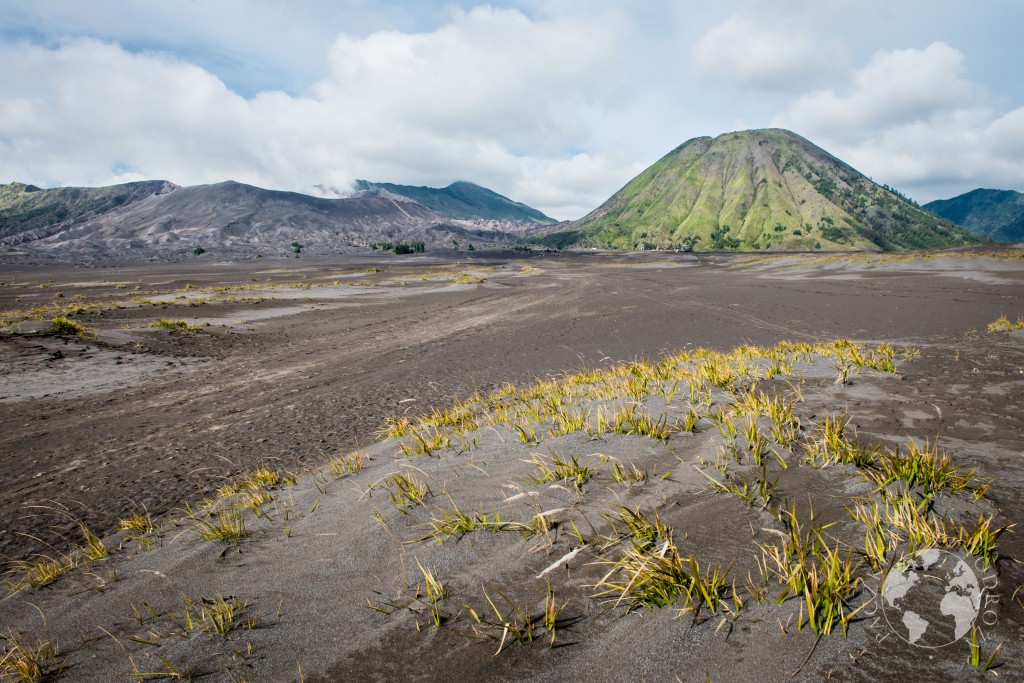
[{"x": 300, "y": 361}]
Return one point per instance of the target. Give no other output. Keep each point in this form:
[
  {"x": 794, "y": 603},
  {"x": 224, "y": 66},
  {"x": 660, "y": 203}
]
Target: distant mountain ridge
[
  {"x": 461, "y": 200},
  {"x": 27, "y": 208},
  {"x": 160, "y": 220},
  {"x": 757, "y": 190},
  {"x": 997, "y": 214}
]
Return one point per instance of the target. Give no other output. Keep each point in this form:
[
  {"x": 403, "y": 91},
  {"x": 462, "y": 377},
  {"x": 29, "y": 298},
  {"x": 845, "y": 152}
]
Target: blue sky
[{"x": 556, "y": 103}]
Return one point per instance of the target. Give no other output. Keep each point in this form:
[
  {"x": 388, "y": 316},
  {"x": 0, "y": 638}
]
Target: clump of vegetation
[
  {"x": 823, "y": 577},
  {"x": 226, "y": 526},
  {"x": 1003, "y": 324},
  {"x": 344, "y": 465},
  {"x": 468, "y": 279},
  {"x": 27, "y": 661},
  {"x": 138, "y": 527},
  {"x": 822, "y": 566},
  {"x": 652, "y": 575},
  {"x": 455, "y": 522},
  {"x": 557, "y": 469},
  {"x": 513, "y": 622},
  {"x": 198, "y": 250},
  {"x": 216, "y": 616},
  {"x": 176, "y": 326},
  {"x": 400, "y": 247},
  {"x": 975, "y": 658},
  {"x": 406, "y": 490},
  {"x": 904, "y": 519},
  {"x": 39, "y": 570},
  {"x": 62, "y": 325},
  {"x": 927, "y": 467},
  {"x": 255, "y": 479}
]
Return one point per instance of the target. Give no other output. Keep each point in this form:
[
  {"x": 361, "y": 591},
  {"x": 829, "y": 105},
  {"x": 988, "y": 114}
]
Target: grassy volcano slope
[
  {"x": 463, "y": 200},
  {"x": 998, "y": 214},
  {"x": 760, "y": 189},
  {"x": 26, "y": 207}
]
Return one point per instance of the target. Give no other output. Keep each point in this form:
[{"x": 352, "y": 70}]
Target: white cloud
[
  {"x": 912, "y": 119},
  {"x": 556, "y": 105},
  {"x": 765, "y": 50},
  {"x": 895, "y": 87},
  {"x": 461, "y": 102},
  {"x": 1004, "y": 139},
  {"x": 938, "y": 159}
]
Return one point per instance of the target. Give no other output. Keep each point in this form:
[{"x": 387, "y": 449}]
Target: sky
[{"x": 554, "y": 103}]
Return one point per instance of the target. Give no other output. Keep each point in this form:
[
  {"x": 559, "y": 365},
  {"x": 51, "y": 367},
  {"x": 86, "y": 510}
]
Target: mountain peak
[
  {"x": 997, "y": 214},
  {"x": 461, "y": 200},
  {"x": 758, "y": 189}
]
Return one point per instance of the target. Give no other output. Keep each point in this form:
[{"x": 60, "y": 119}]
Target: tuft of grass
[
  {"x": 62, "y": 325},
  {"x": 456, "y": 522},
  {"x": 643, "y": 530},
  {"x": 255, "y": 500},
  {"x": 975, "y": 658},
  {"x": 39, "y": 570},
  {"x": 394, "y": 428},
  {"x": 763, "y": 490},
  {"x": 627, "y": 420},
  {"x": 228, "y": 526},
  {"x": 526, "y": 433},
  {"x": 822, "y": 577},
  {"x": 551, "y": 611},
  {"x": 657, "y": 576},
  {"x": 138, "y": 527},
  {"x": 904, "y": 519},
  {"x": 879, "y": 541},
  {"x": 569, "y": 421},
  {"x": 216, "y": 616},
  {"x": 264, "y": 476},
  {"x": 138, "y": 524},
  {"x": 981, "y": 540},
  {"x": 176, "y": 325},
  {"x": 94, "y": 548},
  {"x": 570, "y": 471},
  {"x": 833, "y": 446},
  {"x": 513, "y": 622},
  {"x": 406, "y": 491},
  {"x": 1003, "y": 324},
  {"x": 630, "y": 474},
  {"x": 255, "y": 479},
  {"x": 344, "y": 465},
  {"x": 426, "y": 439},
  {"x": 688, "y": 423},
  {"x": 433, "y": 593},
  {"x": 27, "y": 661},
  {"x": 927, "y": 467}
]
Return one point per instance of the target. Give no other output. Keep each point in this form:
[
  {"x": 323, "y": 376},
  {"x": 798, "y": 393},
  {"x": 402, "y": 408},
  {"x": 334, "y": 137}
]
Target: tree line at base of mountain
[{"x": 400, "y": 247}]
